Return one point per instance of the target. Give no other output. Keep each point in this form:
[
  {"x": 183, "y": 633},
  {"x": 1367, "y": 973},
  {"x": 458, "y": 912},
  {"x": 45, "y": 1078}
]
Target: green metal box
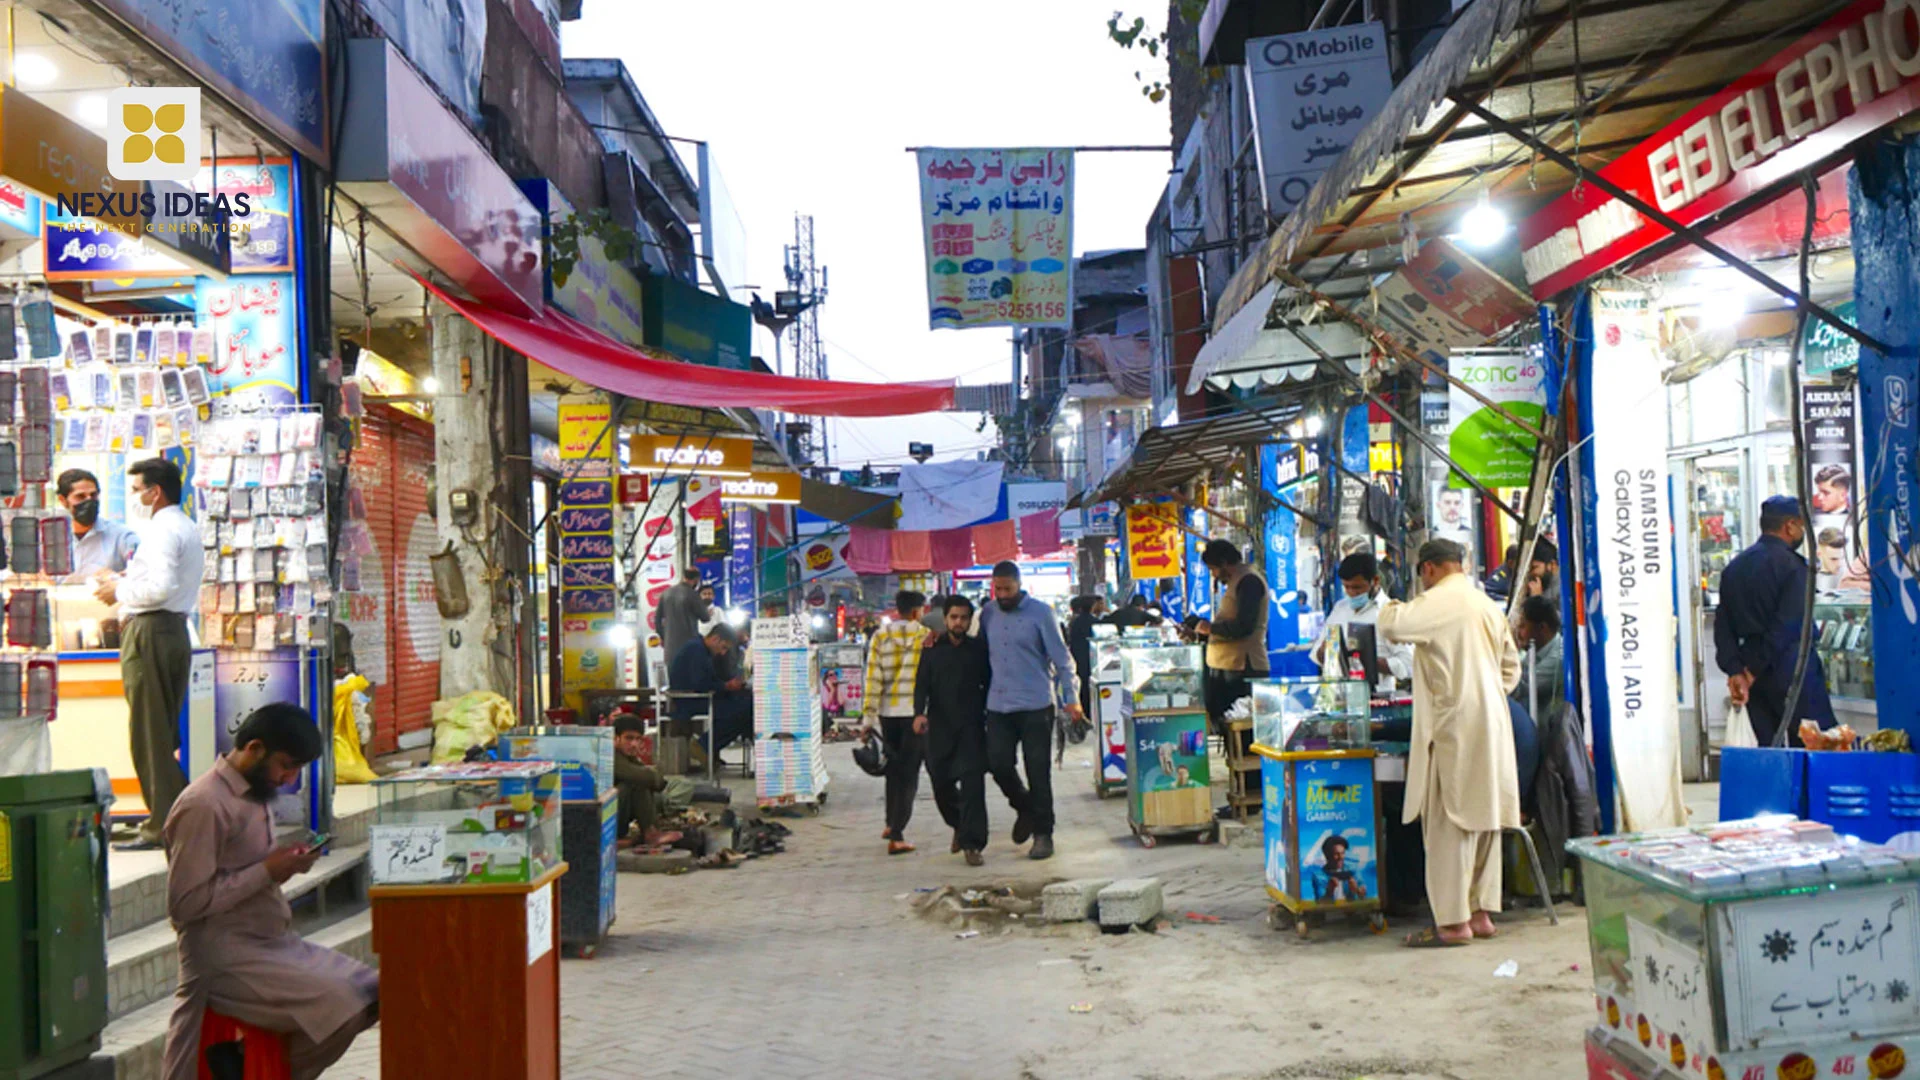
[{"x": 53, "y": 945}]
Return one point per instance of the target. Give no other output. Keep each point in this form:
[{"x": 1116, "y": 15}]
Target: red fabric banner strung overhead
[{"x": 569, "y": 347}]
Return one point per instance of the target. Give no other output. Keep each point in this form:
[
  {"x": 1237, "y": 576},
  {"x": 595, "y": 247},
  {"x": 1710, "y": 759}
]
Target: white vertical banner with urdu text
[{"x": 1633, "y": 583}]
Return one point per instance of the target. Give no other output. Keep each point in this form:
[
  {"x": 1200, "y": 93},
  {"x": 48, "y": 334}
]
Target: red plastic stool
[{"x": 265, "y": 1051}]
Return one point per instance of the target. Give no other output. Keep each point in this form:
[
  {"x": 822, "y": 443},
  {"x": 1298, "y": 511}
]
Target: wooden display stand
[{"x": 459, "y": 995}]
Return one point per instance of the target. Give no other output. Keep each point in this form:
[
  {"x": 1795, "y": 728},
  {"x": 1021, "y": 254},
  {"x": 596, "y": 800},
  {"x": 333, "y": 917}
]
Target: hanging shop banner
[
  {"x": 1827, "y": 350},
  {"x": 263, "y": 238},
  {"x": 1492, "y": 449},
  {"x": 1199, "y": 582},
  {"x": 1856, "y": 73},
  {"x": 1313, "y": 94},
  {"x": 1832, "y": 522},
  {"x": 256, "y": 347},
  {"x": 657, "y": 548},
  {"x": 1153, "y": 541},
  {"x": 1882, "y": 208},
  {"x": 1630, "y": 588},
  {"x": 1280, "y": 564},
  {"x": 708, "y": 455},
  {"x": 267, "y": 58},
  {"x": 998, "y": 226},
  {"x": 743, "y": 578},
  {"x": 19, "y": 212},
  {"x": 586, "y": 430},
  {"x": 589, "y": 567},
  {"x": 706, "y": 516},
  {"x": 1445, "y": 299},
  {"x": 823, "y": 553}
]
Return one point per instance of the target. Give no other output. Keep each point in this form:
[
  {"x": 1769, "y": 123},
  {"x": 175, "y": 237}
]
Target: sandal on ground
[
  {"x": 900, "y": 847},
  {"x": 1430, "y": 939}
]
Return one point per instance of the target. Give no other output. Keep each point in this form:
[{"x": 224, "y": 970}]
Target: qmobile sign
[{"x": 1858, "y": 72}]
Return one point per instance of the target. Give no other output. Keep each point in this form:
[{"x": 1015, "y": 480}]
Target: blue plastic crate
[
  {"x": 1875, "y": 797},
  {"x": 1762, "y": 780}
]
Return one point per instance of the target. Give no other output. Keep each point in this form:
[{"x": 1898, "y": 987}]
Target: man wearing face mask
[
  {"x": 159, "y": 589},
  {"x": 97, "y": 545},
  {"x": 1360, "y": 578}
]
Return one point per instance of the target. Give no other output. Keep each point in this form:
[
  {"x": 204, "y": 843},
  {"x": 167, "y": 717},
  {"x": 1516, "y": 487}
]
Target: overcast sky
[{"x": 809, "y": 107}]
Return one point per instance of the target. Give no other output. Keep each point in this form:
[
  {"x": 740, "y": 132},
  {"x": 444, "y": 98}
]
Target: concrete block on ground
[
  {"x": 1072, "y": 901},
  {"x": 1131, "y": 902},
  {"x": 1240, "y": 834}
]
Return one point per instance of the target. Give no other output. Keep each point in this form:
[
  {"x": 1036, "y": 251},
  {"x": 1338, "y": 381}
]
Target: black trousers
[
  {"x": 957, "y": 766},
  {"x": 904, "y": 753},
  {"x": 1222, "y": 690},
  {"x": 1030, "y": 732}
]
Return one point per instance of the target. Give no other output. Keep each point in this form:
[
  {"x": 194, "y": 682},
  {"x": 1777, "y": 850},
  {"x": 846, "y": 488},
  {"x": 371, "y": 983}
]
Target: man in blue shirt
[
  {"x": 1756, "y": 632},
  {"x": 97, "y": 545},
  {"x": 1031, "y": 671}
]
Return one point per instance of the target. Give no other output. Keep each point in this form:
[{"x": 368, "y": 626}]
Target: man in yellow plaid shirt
[{"x": 893, "y": 663}]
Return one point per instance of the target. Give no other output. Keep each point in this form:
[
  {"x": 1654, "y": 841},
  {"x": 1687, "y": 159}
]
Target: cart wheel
[
  {"x": 1208, "y": 835},
  {"x": 1302, "y": 927},
  {"x": 1377, "y": 922},
  {"x": 1274, "y": 920},
  {"x": 586, "y": 951},
  {"x": 1147, "y": 839}
]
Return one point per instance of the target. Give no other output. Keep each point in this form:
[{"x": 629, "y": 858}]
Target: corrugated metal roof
[
  {"x": 1636, "y": 63},
  {"x": 1167, "y": 457}
]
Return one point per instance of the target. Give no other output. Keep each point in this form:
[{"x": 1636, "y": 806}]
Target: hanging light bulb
[
  {"x": 430, "y": 386},
  {"x": 1314, "y": 426},
  {"x": 1483, "y": 226}
]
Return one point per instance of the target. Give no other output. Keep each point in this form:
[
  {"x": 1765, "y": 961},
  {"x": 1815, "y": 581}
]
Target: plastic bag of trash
[
  {"x": 475, "y": 719},
  {"x": 349, "y": 763}
]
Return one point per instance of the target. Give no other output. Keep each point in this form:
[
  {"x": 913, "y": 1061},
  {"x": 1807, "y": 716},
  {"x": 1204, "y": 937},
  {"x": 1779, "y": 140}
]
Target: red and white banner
[{"x": 1855, "y": 74}]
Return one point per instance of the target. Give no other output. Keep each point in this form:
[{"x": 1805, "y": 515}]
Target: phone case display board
[
  {"x": 589, "y": 830},
  {"x": 260, "y": 496},
  {"x": 480, "y": 823},
  {"x": 1764, "y": 947},
  {"x": 790, "y": 765},
  {"x": 470, "y": 978},
  {"x": 1168, "y": 773},
  {"x": 584, "y": 755},
  {"x": 38, "y": 543},
  {"x": 1311, "y": 714},
  {"x": 843, "y": 678}
]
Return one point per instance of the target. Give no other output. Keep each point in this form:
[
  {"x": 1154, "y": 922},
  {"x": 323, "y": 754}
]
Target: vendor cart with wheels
[
  {"x": 1169, "y": 781},
  {"x": 1319, "y": 806},
  {"x": 1109, "y": 716}
]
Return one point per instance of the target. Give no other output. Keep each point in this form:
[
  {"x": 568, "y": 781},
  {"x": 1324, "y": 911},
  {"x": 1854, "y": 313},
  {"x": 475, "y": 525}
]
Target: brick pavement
[{"x": 811, "y": 964}]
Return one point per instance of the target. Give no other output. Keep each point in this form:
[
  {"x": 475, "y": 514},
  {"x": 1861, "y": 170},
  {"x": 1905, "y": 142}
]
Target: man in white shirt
[
  {"x": 156, "y": 594},
  {"x": 1360, "y": 577}
]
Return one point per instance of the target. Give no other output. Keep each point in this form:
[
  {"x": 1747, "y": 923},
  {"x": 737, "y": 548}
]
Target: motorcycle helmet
[{"x": 871, "y": 754}]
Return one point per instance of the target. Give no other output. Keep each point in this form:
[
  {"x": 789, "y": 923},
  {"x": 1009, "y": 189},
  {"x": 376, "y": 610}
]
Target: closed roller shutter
[
  {"x": 368, "y": 609},
  {"x": 417, "y": 633}
]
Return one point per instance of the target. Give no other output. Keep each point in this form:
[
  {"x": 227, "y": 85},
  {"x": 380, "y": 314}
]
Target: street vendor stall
[
  {"x": 1319, "y": 803},
  {"x": 1765, "y": 947},
  {"x": 1168, "y": 771}
]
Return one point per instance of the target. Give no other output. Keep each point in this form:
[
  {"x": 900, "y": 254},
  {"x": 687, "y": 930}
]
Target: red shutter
[
  {"x": 369, "y": 611},
  {"x": 417, "y": 631}
]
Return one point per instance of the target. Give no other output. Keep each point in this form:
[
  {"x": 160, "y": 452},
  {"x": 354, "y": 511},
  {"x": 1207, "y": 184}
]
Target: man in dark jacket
[
  {"x": 1756, "y": 633},
  {"x": 1136, "y": 613},
  {"x": 1563, "y": 805},
  {"x": 697, "y": 670},
  {"x": 950, "y": 709},
  {"x": 1086, "y": 611}
]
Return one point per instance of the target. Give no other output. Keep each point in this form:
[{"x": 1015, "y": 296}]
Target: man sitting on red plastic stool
[{"x": 238, "y": 953}]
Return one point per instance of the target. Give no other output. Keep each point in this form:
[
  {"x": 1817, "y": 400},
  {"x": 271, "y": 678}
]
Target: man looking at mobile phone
[{"x": 238, "y": 953}]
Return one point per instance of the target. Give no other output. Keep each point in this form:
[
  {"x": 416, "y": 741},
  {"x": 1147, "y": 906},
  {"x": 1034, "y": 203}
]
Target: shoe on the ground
[
  {"x": 1022, "y": 829},
  {"x": 974, "y": 858},
  {"x": 1042, "y": 848},
  {"x": 886, "y": 833},
  {"x": 899, "y": 847}
]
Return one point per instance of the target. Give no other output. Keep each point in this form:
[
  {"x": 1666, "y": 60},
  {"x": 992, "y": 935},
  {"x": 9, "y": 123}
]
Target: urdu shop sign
[{"x": 1856, "y": 73}]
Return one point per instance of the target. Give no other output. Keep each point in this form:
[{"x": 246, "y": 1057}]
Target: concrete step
[
  {"x": 137, "y": 880},
  {"x": 141, "y": 964},
  {"x": 136, "y": 1042}
]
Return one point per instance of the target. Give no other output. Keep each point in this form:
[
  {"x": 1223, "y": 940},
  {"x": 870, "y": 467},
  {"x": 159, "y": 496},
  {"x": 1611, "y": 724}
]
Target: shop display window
[
  {"x": 467, "y": 824},
  {"x": 1311, "y": 714}
]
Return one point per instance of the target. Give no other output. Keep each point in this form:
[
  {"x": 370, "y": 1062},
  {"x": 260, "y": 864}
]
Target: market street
[{"x": 811, "y": 964}]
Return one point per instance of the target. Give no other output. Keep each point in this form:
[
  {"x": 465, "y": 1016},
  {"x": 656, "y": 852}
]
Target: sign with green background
[{"x": 1492, "y": 449}]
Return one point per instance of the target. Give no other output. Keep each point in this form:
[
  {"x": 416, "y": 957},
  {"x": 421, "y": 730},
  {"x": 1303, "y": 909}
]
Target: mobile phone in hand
[{"x": 319, "y": 841}]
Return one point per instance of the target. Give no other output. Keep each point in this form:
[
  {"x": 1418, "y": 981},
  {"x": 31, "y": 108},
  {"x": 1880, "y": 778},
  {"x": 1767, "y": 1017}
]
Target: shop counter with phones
[{"x": 1168, "y": 772}]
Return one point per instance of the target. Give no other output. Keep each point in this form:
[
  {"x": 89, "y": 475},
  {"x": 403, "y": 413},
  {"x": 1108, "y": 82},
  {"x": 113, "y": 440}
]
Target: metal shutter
[
  {"x": 417, "y": 630},
  {"x": 369, "y": 611}
]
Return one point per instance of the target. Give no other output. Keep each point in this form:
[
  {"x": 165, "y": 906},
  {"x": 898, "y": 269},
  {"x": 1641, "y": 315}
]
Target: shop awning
[
  {"x": 566, "y": 346},
  {"x": 1167, "y": 457},
  {"x": 1247, "y": 353}
]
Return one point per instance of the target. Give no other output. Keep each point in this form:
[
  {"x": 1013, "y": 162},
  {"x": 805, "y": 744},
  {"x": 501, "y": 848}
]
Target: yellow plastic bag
[
  {"x": 474, "y": 719},
  {"x": 349, "y": 763}
]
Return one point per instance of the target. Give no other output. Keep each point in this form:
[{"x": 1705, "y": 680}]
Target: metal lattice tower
[{"x": 808, "y": 279}]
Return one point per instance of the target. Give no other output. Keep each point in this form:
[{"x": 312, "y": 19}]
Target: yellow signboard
[
  {"x": 762, "y": 487},
  {"x": 1153, "y": 541},
  {"x": 1383, "y": 457},
  {"x": 585, "y": 429},
  {"x": 701, "y": 455}
]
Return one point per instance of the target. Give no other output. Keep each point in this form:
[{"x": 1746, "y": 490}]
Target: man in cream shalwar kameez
[
  {"x": 1462, "y": 783},
  {"x": 238, "y": 953}
]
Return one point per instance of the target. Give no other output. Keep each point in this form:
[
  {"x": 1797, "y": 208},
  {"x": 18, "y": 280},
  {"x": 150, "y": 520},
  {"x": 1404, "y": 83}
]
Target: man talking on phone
[{"x": 238, "y": 953}]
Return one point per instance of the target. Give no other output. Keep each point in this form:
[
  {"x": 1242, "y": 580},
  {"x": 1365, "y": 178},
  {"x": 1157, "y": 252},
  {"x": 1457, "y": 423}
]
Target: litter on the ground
[
  {"x": 1507, "y": 970},
  {"x": 1194, "y": 916},
  {"x": 1050, "y": 963},
  {"x": 965, "y": 934},
  {"x": 1080, "y": 1007}
]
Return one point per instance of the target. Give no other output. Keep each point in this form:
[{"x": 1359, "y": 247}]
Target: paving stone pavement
[{"x": 813, "y": 963}]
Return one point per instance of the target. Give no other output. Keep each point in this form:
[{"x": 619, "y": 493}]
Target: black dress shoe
[
  {"x": 1022, "y": 829},
  {"x": 1042, "y": 848}
]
